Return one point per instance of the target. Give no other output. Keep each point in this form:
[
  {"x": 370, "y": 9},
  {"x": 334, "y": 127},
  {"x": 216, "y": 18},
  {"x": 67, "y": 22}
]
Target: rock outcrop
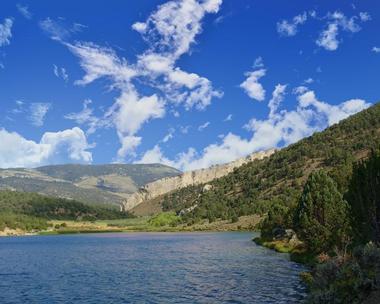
[{"x": 202, "y": 176}]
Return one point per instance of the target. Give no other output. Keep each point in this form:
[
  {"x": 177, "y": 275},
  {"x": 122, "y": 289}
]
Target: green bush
[
  {"x": 350, "y": 281},
  {"x": 165, "y": 219}
]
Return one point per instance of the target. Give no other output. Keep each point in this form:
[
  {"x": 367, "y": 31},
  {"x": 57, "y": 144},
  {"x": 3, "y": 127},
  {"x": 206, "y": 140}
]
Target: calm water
[{"x": 145, "y": 268}]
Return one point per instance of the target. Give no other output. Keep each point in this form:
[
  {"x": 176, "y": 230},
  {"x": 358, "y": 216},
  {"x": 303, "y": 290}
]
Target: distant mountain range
[{"x": 93, "y": 184}]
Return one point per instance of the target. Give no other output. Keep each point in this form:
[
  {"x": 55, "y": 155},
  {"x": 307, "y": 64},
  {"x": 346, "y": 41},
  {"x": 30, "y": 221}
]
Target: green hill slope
[
  {"x": 255, "y": 186},
  {"x": 30, "y": 211}
]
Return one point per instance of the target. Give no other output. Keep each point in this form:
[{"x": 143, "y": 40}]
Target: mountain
[
  {"x": 156, "y": 189},
  {"x": 93, "y": 184},
  {"x": 256, "y": 185}
]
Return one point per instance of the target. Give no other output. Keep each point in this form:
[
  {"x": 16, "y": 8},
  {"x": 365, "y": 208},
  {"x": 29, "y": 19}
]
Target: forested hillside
[
  {"x": 30, "y": 211},
  {"x": 279, "y": 179}
]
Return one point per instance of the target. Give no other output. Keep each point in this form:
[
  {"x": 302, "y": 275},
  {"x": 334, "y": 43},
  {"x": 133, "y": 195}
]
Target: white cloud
[
  {"x": 309, "y": 80},
  {"x": 281, "y": 128},
  {"x": 228, "y": 118},
  {"x": 259, "y": 62},
  {"x": 100, "y": 62},
  {"x": 54, "y": 147},
  {"x": 6, "y": 31},
  {"x": 128, "y": 114},
  {"x": 332, "y": 113},
  {"x": 169, "y": 32},
  {"x": 60, "y": 29},
  {"x": 54, "y": 29},
  {"x": 203, "y": 126},
  {"x": 277, "y": 98},
  {"x": 130, "y": 111},
  {"x": 173, "y": 27},
  {"x": 365, "y": 16},
  {"x": 87, "y": 117},
  {"x": 169, "y": 135},
  {"x": 328, "y": 38},
  {"x": 128, "y": 146},
  {"x": 290, "y": 28},
  {"x": 60, "y": 73},
  {"x": 334, "y": 23},
  {"x": 252, "y": 86},
  {"x": 185, "y": 129},
  {"x": 376, "y": 49},
  {"x": 38, "y": 112},
  {"x": 23, "y": 10}
]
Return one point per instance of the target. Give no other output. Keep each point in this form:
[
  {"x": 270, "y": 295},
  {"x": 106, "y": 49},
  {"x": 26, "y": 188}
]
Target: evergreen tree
[
  {"x": 321, "y": 217},
  {"x": 364, "y": 199}
]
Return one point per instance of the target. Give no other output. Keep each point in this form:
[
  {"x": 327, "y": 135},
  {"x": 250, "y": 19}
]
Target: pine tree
[
  {"x": 364, "y": 199},
  {"x": 321, "y": 217}
]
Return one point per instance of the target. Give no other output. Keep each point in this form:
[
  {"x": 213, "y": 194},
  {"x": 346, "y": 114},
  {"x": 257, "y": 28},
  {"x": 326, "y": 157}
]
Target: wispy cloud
[
  {"x": 228, "y": 118},
  {"x": 38, "y": 112},
  {"x": 24, "y": 10},
  {"x": 6, "y": 32},
  {"x": 60, "y": 29},
  {"x": 203, "y": 126},
  {"x": 376, "y": 49},
  {"x": 60, "y": 73},
  {"x": 290, "y": 28}
]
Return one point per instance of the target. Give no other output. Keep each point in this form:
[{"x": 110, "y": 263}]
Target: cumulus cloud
[
  {"x": 290, "y": 28},
  {"x": 38, "y": 112},
  {"x": 53, "y": 148},
  {"x": 173, "y": 26},
  {"x": 328, "y": 38},
  {"x": 129, "y": 113},
  {"x": 6, "y": 31},
  {"x": 336, "y": 21},
  {"x": 251, "y": 85},
  {"x": 281, "y": 128},
  {"x": 169, "y": 33}
]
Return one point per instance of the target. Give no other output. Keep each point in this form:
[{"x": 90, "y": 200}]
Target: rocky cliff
[{"x": 166, "y": 185}]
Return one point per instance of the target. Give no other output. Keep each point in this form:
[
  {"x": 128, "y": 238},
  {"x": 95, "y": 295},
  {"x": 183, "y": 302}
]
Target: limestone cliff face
[{"x": 169, "y": 184}]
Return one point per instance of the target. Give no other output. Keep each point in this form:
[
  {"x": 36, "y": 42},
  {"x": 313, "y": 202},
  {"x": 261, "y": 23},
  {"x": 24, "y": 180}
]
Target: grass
[
  {"x": 297, "y": 254},
  {"x": 163, "y": 222}
]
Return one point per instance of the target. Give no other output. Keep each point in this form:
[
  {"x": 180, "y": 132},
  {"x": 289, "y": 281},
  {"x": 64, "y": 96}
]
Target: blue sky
[{"x": 188, "y": 83}]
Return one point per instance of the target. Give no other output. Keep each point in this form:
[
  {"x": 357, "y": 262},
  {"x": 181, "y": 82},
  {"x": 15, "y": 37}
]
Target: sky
[{"x": 187, "y": 83}]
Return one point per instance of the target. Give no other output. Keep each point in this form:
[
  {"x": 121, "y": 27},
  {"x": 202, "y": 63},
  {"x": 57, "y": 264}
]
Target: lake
[{"x": 145, "y": 268}]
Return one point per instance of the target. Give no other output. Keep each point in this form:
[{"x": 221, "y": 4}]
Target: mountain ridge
[
  {"x": 94, "y": 184},
  {"x": 278, "y": 179},
  {"x": 166, "y": 185}
]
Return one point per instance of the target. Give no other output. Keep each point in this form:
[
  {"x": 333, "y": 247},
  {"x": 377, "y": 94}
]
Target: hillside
[
  {"x": 94, "y": 184},
  {"x": 154, "y": 190},
  {"x": 31, "y": 211},
  {"x": 255, "y": 186}
]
